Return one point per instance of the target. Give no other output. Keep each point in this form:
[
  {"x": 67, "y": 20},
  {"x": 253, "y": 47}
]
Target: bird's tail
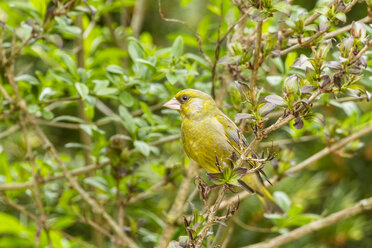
[
  {"x": 254, "y": 184},
  {"x": 270, "y": 206}
]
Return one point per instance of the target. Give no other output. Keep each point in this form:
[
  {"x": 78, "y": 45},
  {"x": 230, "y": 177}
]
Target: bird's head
[{"x": 192, "y": 104}]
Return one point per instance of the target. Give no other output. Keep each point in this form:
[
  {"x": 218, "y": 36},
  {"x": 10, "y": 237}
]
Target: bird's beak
[{"x": 173, "y": 104}]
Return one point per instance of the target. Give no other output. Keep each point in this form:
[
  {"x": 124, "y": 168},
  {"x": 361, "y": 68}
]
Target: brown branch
[
  {"x": 346, "y": 28},
  {"x": 256, "y": 60},
  {"x": 138, "y": 17},
  {"x": 168, "y": 19},
  {"x": 35, "y": 189},
  {"x": 314, "y": 226},
  {"x": 361, "y": 52},
  {"x": 79, "y": 171},
  {"x": 211, "y": 217},
  {"x": 288, "y": 141},
  {"x": 252, "y": 228},
  {"x": 177, "y": 208},
  {"x": 15, "y": 53},
  {"x": 148, "y": 193},
  {"x": 11, "y": 130},
  {"x": 306, "y": 42}
]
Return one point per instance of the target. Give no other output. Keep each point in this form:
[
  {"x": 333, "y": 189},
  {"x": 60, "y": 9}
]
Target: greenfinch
[{"x": 208, "y": 134}]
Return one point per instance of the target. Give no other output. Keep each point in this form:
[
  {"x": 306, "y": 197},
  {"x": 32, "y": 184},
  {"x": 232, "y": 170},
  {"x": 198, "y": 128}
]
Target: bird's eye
[{"x": 185, "y": 98}]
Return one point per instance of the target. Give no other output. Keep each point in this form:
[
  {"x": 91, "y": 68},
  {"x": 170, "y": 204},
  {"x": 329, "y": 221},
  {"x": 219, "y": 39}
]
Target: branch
[
  {"x": 256, "y": 58},
  {"x": 211, "y": 217},
  {"x": 177, "y": 208},
  {"x": 26, "y": 185},
  {"x": 11, "y": 130},
  {"x": 361, "y": 206}
]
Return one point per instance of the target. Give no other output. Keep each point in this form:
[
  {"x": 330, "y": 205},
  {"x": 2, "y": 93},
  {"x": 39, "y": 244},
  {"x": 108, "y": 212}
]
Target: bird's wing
[{"x": 231, "y": 132}]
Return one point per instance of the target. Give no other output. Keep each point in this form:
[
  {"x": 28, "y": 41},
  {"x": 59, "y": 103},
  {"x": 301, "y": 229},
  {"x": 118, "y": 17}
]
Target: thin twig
[
  {"x": 256, "y": 65},
  {"x": 361, "y": 52},
  {"x": 211, "y": 217},
  {"x": 252, "y": 228},
  {"x": 9, "y": 131}
]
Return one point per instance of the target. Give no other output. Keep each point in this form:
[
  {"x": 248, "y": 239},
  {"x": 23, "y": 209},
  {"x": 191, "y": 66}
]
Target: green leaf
[
  {"x": 82, "y": 89},
  {"x": 48, "y": 115},
  {"x": 147, "y": 63},
  {"x": 127, "y": 120},
  {"x": 68, "y": 118},
  {"x": 171, "y": 77},
  {"x": 28, "y": 79},
  {"x": 107, "y": 91},
  {"x": 142, "y": 147},
  {"x": 98, "y": 182},
  {"x": 70, "y": 63},
  {"x": 115, "y": 69},
  {"x": 282, "y": 200},
  {"x": 11, "y": 225},
  {"x": 295, "y": 210},
  {"x": 135, "y": 50},
  {"x": 177, "y": 47},
  {"x": 289, "y": 60},
  {"x": 147, "y": 112},
  {"x": 283, "y": 7},
  {"x": 341, "y": 16},
  {"x": 126, "y": 99}
]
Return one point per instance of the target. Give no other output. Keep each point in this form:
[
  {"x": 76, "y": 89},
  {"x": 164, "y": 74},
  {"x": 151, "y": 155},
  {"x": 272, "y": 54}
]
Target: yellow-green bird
[{"x": 208, "y": 133}]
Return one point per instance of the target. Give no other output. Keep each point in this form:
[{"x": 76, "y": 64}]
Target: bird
[{"x": 208, "y": 134}]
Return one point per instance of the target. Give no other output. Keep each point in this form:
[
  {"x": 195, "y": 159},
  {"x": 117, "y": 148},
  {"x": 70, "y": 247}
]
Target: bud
[
  {"x": 235, "y": 48},
  {"x": 346, "y": 46},
  {"x": 291, "y": 84},
  {"x": 358, "y": 30}
]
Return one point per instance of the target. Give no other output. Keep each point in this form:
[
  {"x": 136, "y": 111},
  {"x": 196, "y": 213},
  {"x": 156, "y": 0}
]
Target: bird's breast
[{"x": 204, "y": 140}]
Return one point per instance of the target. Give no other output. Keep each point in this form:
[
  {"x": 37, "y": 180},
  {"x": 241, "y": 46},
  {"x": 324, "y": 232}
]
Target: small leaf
[
  {"x": 299, "y": 123},
  {"x": 266, "y": 108},
  {"x": 82, "y": 89},
  {"x": 334, "y": 65},
  {"x": 325, "y": 80},
  {"x": 28, "y": 79},
  {"x": 241, "y": 116},
  {"x": 135, "y": 50},
  {"x": 283, "y": 7},
  {"x": 98, "y": 182},
  {"x": 70, "y": 63},
  {"x": 142, "y": 147},
  {"x": 306, "y": 89},
  {"x": 258, "y": 15},
  {"x": 171, "y": 77},
  {"x": 127, "y": 120},
  {"x": 126, "y": 99},
  {"x": 275, "y": 99},
  {"x": 282, "y": 200},
  {"x": 177, "y": 47},
  {"x": 68, "y": 118},
  {"x": 341, "y": 16},
  {"x": 115, "y": 69},
  {"x": 301, "y": 63}
]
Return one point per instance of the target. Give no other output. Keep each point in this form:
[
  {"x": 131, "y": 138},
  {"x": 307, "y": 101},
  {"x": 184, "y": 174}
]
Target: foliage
[{"x": 89, "y": 158}]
